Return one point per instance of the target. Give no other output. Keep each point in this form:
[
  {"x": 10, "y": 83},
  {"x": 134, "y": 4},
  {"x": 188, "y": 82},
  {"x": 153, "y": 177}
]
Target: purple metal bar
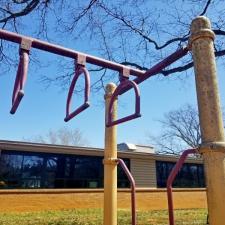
[
  {"x": 133, "y": 190},
  {"x": 59, "y": 50},
  {"x": 115, "y": 94},
  {"x": 159, "y": 67},
  {"x": 170, "y": 180},
  {"x": 20, "y": 81},
  {"x": 78, "y": 71}
]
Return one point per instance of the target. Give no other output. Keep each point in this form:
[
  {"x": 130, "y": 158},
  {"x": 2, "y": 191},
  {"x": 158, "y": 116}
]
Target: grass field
[{"x": 94, "y": 217}]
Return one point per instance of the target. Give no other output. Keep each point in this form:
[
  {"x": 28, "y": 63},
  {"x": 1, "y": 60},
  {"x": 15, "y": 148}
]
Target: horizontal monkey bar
[{"x": 59, "y": 50}]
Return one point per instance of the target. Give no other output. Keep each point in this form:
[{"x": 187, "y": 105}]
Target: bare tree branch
[
  {"x": 180, "y": 130},
  {"x": 140, "y": 32},
  {"x": 82, "y": 14},
  {"x": 25, "y": 11},
  {"x": 138, "y": 38},
  {"x": 62, "y": 136},
  {"x": 206, "y": 7}
]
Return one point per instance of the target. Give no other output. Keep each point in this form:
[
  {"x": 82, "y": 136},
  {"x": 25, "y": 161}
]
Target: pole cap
[
  {"x": 200, "y": 28},
  {"x": 110, "y": 88}
]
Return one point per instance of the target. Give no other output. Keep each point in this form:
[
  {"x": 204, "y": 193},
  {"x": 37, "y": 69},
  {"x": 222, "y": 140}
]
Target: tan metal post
[
  {"x": 211, "y": 123},
  {"x": 110, "y": 164}
]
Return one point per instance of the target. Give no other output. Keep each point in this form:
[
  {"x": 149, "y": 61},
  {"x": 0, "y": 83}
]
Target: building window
[
  {"x": 20, "y": 169},
  {"x": 191, "y": 175}
]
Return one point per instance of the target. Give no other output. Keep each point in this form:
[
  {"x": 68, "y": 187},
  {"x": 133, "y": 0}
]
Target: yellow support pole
[
  {"x": 211, "y": 123},
  {"x": 110, "y": 164}
]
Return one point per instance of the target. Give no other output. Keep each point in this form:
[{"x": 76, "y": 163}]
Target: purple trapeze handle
[
  {"x": 79, "y": 70},
  {"x": 115, "y": 94},
  {"x": 20, "y": 81}
]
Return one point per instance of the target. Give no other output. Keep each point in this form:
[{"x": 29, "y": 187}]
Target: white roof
[{"x": 135, "y": 148}]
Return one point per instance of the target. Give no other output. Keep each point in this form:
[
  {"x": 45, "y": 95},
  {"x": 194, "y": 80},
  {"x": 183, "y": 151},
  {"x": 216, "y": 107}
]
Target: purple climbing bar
[
  {"x": 163, "y": 64},
  {"x": 157, "y": 68},
  {"x": 170, "y": 180},
  {"x": 141, "y": 76},
  {"x": 59, "y": 50},
  {"x": 127, "y": 85},
  {"x": 133, "y": 190}
]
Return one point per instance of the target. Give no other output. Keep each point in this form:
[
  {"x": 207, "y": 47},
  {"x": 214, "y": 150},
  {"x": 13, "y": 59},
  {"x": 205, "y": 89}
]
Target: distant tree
[
  {"x": 180, "y": 129},
  {"x": 62, "y": 136}
]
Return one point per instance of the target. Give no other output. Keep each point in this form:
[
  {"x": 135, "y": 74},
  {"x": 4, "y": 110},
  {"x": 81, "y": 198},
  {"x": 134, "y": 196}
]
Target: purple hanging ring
[
  {"x": 115, "y": 94},
  {"x": 80, "y": 69},
  {"x": 20, "y": 81}
]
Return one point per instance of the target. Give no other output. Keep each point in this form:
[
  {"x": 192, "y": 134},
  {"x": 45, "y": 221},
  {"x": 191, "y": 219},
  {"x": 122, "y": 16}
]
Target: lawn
[{"x": 94, "y": 217}]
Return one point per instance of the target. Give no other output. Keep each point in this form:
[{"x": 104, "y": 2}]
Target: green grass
[{"x": 94, "y": 217}]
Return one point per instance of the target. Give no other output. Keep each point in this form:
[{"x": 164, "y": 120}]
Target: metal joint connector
[
  {"x": 212, "y": 147},
  {"x": 110, "y": 161},
  {"x": 26, "y": 44},
  {"x": 204, "y": 33},
  {"x": 81, "y": 59},
  {"x": 109, "y": 95},
  {"x": 126, "y": 72}
]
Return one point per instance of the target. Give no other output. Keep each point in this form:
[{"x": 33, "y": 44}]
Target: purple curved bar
[
  {"x": 171, "y": 178},
  {"x": 79, "y": 70},
  {"x": 133, "y": 190},
  {"x": 157, "y": 68},
  {"x": 20, "y": 81},
  {"x": 115, "y": 94}
]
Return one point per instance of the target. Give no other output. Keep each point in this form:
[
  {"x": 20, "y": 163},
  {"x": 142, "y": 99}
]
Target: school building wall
[{"x": 142, "y": 161}]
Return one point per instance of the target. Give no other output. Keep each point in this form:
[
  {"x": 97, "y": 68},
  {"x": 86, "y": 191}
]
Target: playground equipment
[
  {"x": 210, "y": 115},
  {"x": 26, "y": 43},
  {"x": 21, "y": 75},
  {"x": 80, "y": 69},
  {"x": 171, "y": 178},
  {"x": 110, "y": 162},
  {"x": 212, "y": 131},
  {"x": 116, "y": 93},
  {"x": 133, "y": 190}
]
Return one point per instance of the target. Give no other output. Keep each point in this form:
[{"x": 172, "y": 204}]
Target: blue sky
[{"x": 42, "y": 109}]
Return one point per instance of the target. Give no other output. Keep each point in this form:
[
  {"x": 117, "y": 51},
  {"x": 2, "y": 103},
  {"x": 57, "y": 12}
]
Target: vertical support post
[
  {"x": 110, "y": 162},
  {"x": 211, "y": 123}
]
